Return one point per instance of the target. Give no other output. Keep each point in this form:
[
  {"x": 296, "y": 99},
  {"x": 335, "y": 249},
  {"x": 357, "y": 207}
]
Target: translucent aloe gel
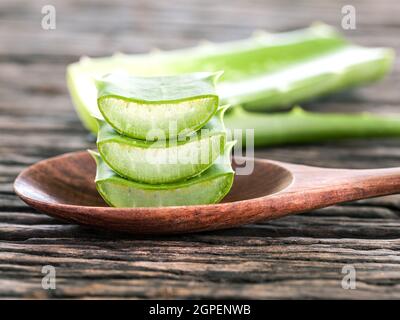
[{"x": 163, "y": 106}]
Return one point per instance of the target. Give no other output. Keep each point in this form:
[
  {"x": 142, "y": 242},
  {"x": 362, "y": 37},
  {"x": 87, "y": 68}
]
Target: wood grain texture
[{"x": 294, "y": 257}]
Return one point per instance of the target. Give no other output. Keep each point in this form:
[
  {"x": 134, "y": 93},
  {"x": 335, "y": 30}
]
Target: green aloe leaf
[
  {"x": 209, "y": 187},
  {"x": 265, "y": 72},
  {"x": 240, "y": 60},
  {"x": 337, "y": 70},
  {"x": 135, "y": 106},
  {"x": 299, "y": 126},
  {"x": 163, "y": 161}
]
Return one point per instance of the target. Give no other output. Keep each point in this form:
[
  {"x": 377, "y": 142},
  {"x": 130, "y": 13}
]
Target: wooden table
[{"x": 300, "y": 256}]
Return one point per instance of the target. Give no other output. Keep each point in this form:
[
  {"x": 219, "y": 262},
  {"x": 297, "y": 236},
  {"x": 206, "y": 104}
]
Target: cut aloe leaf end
[
  {"x": 139, "y": 106},
  {"x": 162, "y": 161},
  {"x": 209, "y": 187}
]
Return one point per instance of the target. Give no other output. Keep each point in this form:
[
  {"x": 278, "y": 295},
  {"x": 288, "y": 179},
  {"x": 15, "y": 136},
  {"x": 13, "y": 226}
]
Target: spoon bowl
[{"x": 64, "y": 187}]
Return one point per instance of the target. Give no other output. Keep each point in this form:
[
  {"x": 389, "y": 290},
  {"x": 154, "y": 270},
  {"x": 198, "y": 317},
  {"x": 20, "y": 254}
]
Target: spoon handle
[{"x": 314, "y": 187}]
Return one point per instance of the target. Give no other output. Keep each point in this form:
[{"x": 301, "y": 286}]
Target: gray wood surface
[{"x": 296, "y": 257}]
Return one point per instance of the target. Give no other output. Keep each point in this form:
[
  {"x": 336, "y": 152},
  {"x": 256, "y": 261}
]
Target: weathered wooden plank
[
  {"x": 251, "y": 263},
  {"x": 177, "y": 24},
  {"x": 294, "y": 226},
  {"x": 168, "y": 289},
  {"x": 296, "y": 257}
]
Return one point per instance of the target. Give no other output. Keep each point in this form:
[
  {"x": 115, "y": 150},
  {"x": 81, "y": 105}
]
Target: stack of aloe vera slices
[{"x": 161, "y": 141}]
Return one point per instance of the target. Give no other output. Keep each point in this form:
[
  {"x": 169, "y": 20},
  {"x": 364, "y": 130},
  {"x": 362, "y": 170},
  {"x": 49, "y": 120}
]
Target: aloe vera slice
[
  {"x": 135, "y": 106},
  {"x": 209, "y": 187},
  {"x": 162, "y": 161}
]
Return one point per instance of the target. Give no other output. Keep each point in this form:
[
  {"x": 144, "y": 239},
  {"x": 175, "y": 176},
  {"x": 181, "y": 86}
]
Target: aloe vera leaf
[
  {"x": 262, "y": 53},
  {"x": 340, "y": 69},
  {"x": 163, "y": 161},
  {"x": 135, "y": 106},
  {"x": 299, "y": 126},
  {"x": 209, "y": 187},
  {"x": 240, "y": 60}
]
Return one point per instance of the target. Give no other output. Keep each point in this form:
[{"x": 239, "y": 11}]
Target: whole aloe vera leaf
[
  {"x": 240, "y": 60},
  {"x": 209, "y": 187},
  {"x": 136, "y": 106},
  {"x": 299, "y": 126},
  {"x": 163, "y": 161}
]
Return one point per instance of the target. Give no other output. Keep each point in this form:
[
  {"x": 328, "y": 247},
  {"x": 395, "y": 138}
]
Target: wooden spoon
[{"x": 63, "y": 187}]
